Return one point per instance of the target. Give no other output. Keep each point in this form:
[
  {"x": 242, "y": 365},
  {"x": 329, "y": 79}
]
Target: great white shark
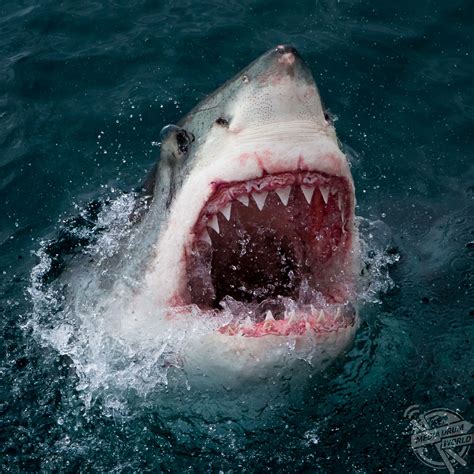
[{"x": 252, "y": 211}]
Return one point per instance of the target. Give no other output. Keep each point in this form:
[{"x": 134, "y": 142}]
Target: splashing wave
[{"x": 77, "y": 297}]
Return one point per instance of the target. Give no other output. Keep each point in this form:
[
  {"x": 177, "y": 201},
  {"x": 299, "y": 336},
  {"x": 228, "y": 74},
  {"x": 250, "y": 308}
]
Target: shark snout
[
  {"x": 286, "y": 54},
  {"x": 284, "y": 61}
]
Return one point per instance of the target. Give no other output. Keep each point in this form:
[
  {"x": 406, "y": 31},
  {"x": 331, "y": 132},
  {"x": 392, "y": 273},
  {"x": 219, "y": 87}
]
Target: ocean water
[{"x": 85, "y": 88}]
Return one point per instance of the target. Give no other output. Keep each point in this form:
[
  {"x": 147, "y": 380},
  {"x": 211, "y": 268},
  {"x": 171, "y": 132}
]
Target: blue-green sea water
[{"x": 85, "y": 88}]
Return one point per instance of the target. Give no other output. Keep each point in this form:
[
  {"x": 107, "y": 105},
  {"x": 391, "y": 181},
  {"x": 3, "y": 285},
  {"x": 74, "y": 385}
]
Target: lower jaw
[
  {"x": 291, "y": 319},
  {"x": 323, "y": 309},
  {"x": 231, "y": 359},
  {"x": 299, "y": 322}
]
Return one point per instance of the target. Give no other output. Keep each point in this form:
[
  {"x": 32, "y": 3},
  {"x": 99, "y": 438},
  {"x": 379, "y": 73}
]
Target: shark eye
[
  {"x": 245, "y": 79},
  {"x": 327, "y": 117},
  {"x": 222, "y": 122}
]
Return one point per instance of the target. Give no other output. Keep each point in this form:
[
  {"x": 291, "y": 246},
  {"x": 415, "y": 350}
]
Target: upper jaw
[
  {"x": 283, "y": 185},
  {"x": 243, "y": 154}
]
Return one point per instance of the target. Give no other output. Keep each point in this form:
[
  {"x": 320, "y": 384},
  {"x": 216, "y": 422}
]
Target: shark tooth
[
  {"x": 320, "y": 316},
  {"x": 269, "y": 316},
  {"x": 214, "y": 223},
  {"x": 339, "y": 201},
  {"x": 205, "y": 237},
  {"x": 226, "y": 210},
  {"x": 259, "y": 199},
  {"x": 324, "y": 193},
  {"x": 308, "y": 193},
  {"x": 244, "y": 199},
  {"x": 247, "y": 322},
  {"x": 284, "y": 194}
]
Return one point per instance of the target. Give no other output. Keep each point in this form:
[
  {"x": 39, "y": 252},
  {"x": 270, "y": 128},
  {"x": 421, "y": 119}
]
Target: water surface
[{"x": 85, "y": 89}]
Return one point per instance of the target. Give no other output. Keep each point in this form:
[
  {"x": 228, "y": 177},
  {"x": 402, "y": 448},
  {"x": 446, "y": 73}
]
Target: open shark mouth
[{"x": 276, "y": 252}]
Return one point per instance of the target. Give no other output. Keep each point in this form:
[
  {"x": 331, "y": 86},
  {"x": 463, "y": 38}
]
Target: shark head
[{"x": 257, "y": 204}]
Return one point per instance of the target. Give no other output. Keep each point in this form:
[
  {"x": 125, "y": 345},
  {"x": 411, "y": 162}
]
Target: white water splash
[
  {"x": 81, "y": 314},
  {"x": 375, "y": 241},
  {"x": 72, "y": 314}
]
